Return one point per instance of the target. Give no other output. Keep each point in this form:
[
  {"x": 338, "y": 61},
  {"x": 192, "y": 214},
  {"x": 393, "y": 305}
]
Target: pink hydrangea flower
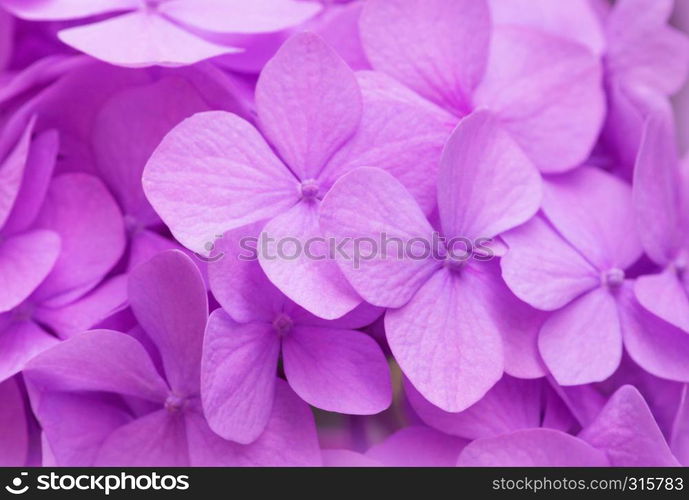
[
  {"x": 162, "y": 32},
  {"x": 215, "y": 171},
  {"x": 447, "y": 52},
  {"x": 445, "y": 321},
  {"x": 328, "y": 364},
  {"x": 158, "y": 417}
]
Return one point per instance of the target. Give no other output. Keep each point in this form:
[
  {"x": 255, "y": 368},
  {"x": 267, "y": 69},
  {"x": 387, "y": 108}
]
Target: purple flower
[
  {"x": 59, "y": 238},
  {"x": 445, "y": 323},
  {"x": 417, "y": 446},
  {"x": 104, "y": 398},
  {"x": 545, "y": 90},
  {"x": 428, "y": 233},
  {"x": 646, "y": 61},
  {"x": 14, "y": 426},
  {"x": 6, "y": 42},
  {"x": 327, "y": 363},
  {"x": 576, "y": 20},
  {"x": 624, "y": 434},
  {"x": 162, "y": 32},
  {"x": 510, "y": 405},
  {"x": 215, "y": 172}
]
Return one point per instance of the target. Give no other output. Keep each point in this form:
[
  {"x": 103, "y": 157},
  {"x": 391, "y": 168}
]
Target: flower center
[
  {"x": 151, "y": 5},
  {"x": 612, "y": 278},
  {"x": 309, "y": 189},
  {"x": 454, "y": 263},
  {"x": 174, "y": 403},
  {"x": 131, "y": 225},
  {"x": 23, "y": 311},
  {"x": 283, "y": 324}
]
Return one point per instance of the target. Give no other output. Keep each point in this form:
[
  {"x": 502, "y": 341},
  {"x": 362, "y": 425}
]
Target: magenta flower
[
  {"x": 646, "y": 61},
  {"x": 48, "y": 265},
  {"x": 158, "y": 418},
  {"x": 680, "y": 432},
  {"x": 6, "y": 41},
  {"x": 162, "y": 32},
  {"x": 510, "y": 405},
  {"x": 624, "y": 434},
  {"x": 215, "y": 172},
  {"x": 413, "y": 446},
  {"x": 661, "y": 202},
  {"x": 14, "y": 426},
  {"x": 576, "y": 20},
  {"x": 444, "y": 326},
  {"x": 417, "y": 446},
  {"x": 327, "y": 363},
  {"x": 372, "y": 233},
  {"x": 447, "y": 53},
  {"x": 576, "y": 267}
]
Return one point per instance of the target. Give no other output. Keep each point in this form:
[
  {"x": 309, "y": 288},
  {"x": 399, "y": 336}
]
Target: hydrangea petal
[
  {"x": 532, "y": 448},
  {"x": 129, "y": 126},
  {"x": 680, "y": 431},
  {"x": 337, "y": 370},
  {"x": 12, "y": 171},
  {"x": 212, "y": 173},
  {"x": 520, "y": 325},
  {"x": 237, "y": 280},
  {"x": 657, "y": 346},
  {"x": 542, "y": 269},
  {"x": 80, "y": 209},
  {"x": 14, "y": 432},
  {"x": 439, "y": 48},
  {"x": 168, "y": 298},
  {"x": 289, "y": 439},
  {"x": 361, "y": 316},
  {"x": 150, "y": 40},
  {"x": 626, "y": 430},
  {"x": 20, "y": 341},
  {"x": 446, "y": 340},
  {"x": 6, "y": 39},
  {"x": 510, "y": 405},
  {"x": 347, "y": 458},
  {"x": 486, "y": 184},
  {"x": 40, "y": 164},
  {"x": 155, "y": 440},
  {"x": 309, "y": 277},
  {"x": 417, "y": 446},
  {"x": 594, "y": 211},
  {"x": 665, "y": 295},
  {"x": 239, "y": 16},
  {"x": 643, "y": 49},
  {"x": 86, "y": 312},
  {"x": 308, "y": 103},
  {"x": 582, "y": 342},
  {"x": 75, "y": 425},
  {"x": 370, "y": 203},
  {"x": 575, "y": 19},
  {"x": 547, "y": 92},
  {"x": 99, "y": 360},
  {"x": 58, "y": 10},
  {"x": 656, "y": 191},
  {"x": 238, "y": 373},
  {"x": 25, "y": 261},
  {"x": 397, "y": 135}
]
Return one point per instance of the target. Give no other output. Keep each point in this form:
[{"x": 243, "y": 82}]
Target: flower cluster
[{"x": 344, "y": 233}]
